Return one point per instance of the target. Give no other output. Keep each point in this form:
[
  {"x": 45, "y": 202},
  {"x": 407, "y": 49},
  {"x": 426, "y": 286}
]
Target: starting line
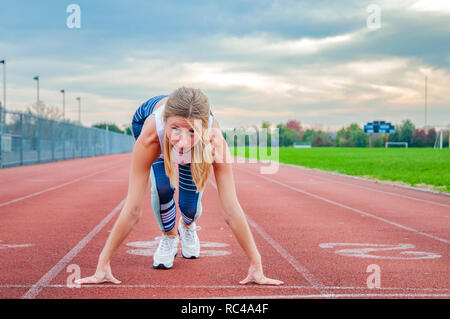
[
  {"x": 377, "y": 292},
  {"x": 254, "y": 286},
  {"x": 334, "y": 296},
  {"x": 148, "y": 248}
]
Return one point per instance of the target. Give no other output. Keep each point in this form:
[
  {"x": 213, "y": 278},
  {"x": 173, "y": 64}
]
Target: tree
[
  {"x": 431, "y": 137},
  {"x": 395, "y": 137},
  {"x": 321, "y": 138},
  {"x": 422, "y": 138},
  {"x": 378, "y": 140},
  {"x": 406, "y": 130},
  {"x": 308, "y": 136},
  {"x": 286, "y": 135},
  {"x": 418, "y": 138},
  {"x": 296, "y": 126},
  {"x": 351, "y": 136},
  {"x": 265, "y": 124},
  {"x": 111, "y": 127},
  {"x": 129, "y": 131},
  {"x": 48, "y": 111}
]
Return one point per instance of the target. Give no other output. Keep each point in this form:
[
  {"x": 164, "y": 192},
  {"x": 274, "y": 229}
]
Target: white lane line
[
  {"x": 368, "y": 180},
  {"x": 57, "y": 186},
  {"x": 52, "y": 273},
  {"x": 351, "y": 208},
  {"x": 4, "y": 286},
  {"x": 335, "y": 296},
  {"x": 283, "y": 252},
  {"x": 291, "y": 259}
]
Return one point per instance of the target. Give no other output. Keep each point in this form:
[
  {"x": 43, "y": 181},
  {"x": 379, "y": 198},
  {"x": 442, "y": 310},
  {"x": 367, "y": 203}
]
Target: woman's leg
[
  {"x": 165, "y": 212},
  {"x": 163, "y": 202},
  {"x": 190, "y": 204},
  {"x": 189, "y": 201}
]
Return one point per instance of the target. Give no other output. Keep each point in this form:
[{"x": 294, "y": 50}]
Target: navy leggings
[{"x": 163, "y": 204}]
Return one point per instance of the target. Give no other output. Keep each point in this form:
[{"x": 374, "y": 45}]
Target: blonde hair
[{"x": 191, "y": 104}]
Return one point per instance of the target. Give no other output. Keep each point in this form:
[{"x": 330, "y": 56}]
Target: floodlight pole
[
  {"x": 64, "y": 103},
  {"x": 426, "y": 100},
  {"x": 4, "y": 83},
  {"x": 38, "y": 104},
  {"x": 79, "y": 110}
]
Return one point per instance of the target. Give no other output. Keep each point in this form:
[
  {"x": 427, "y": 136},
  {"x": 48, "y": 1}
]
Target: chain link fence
[{"x": 29, "y": 139}]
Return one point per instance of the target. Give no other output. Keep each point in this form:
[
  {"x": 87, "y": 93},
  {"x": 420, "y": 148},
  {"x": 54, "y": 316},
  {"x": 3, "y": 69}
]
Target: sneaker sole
[
  {"x": 162, "y": 266},
  {"x": 191, "y": 257}
]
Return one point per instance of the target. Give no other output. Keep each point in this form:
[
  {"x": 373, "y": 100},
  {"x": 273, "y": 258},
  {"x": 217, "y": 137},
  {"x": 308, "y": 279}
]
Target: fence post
[
  {"x": 21, "y": 139},
  {"x": 72, "y": 128},
  {"x": 63, "y": 133},
  {"x": 89, "y": 137},
  {"x": 73, "y": 142},
  {"x": 52, "y": 132},
  {"x": 38, "y": 137},
  {"x": 1, "y": 134},
  {"x": 106, "y": 141}
]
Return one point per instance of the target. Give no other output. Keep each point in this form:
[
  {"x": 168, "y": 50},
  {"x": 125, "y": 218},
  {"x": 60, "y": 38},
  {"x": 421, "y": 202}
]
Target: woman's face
[{"x": 181, "y": 135}]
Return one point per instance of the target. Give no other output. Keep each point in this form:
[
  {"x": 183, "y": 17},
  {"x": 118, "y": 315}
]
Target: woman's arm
[
  {"x": 232, "y": 210},
  {"x": 145, "y": 152}
]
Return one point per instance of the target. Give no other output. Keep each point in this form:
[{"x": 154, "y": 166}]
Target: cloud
[
  {"x": 435, "y": 6},
  {"x": 267, "y": 44},
  {"x": 275, "y": 60}
]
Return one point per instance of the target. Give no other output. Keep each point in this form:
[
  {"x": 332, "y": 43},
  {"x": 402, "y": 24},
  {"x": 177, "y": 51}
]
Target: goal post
[
  {"x": 440, "y": 138},
  {"x": 400, "y": 144}
]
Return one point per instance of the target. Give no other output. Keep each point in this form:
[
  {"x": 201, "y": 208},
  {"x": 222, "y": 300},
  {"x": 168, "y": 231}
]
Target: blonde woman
[{"x": 170, "y": 130}]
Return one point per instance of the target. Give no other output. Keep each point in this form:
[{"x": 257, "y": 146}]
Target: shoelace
[
  {"x": 190, "y": 233},
  {"x": 164, "y": 245}
]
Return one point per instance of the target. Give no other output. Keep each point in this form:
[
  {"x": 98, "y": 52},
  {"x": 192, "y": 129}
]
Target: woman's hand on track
[
  {"x": 255, "y": 275},
  {"x": 102, "y": 275}
]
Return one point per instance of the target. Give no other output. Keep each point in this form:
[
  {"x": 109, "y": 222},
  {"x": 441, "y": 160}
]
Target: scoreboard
[{"x": 379, "y": 127}]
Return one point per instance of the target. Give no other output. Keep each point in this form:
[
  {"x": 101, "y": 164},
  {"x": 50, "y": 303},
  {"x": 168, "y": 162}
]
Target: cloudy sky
[{"x": 319, "y": 62}]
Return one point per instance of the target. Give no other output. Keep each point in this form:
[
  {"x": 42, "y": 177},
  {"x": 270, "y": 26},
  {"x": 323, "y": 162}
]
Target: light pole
[
  {"x": 4, "y": 83},
  {"x": 64, "y": 102},
  {"x": 79, "y": 110},
  {"x": 426, "y": 100},
  {"x": 38, "y": 104}
]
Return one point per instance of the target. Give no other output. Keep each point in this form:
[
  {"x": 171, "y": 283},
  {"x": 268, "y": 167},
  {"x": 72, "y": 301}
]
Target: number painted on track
[{"x": 370, "y": 250}]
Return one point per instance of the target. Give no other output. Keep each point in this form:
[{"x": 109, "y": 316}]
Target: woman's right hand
[{"x": 102, "y": 274}]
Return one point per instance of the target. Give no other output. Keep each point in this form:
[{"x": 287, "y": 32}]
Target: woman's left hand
[{"x": 255, "y": 275}]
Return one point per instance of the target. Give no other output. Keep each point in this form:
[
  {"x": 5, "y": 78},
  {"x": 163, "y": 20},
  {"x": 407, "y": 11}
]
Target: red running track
[{"x": 318, "y": 232}]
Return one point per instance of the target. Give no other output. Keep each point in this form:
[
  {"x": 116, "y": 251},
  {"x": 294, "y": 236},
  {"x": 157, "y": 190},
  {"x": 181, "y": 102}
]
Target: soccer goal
[
  {"x": 438, "y": 143},
  {"x": 397, "y": 144}
]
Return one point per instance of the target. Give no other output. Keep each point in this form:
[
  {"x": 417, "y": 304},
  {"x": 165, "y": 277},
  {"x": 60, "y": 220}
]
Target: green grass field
[{"x": 419, "y": 167}]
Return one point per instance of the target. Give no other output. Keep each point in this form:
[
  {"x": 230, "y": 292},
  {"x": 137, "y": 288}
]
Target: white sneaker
[
  {"x": 190, "y": 244},
  {"x": 166, "y": 252}
]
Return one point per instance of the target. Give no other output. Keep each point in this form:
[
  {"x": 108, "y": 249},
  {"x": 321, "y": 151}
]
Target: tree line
[
  {"x": 353, "y": 135},
  {"x": 292, "y": 131}
]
